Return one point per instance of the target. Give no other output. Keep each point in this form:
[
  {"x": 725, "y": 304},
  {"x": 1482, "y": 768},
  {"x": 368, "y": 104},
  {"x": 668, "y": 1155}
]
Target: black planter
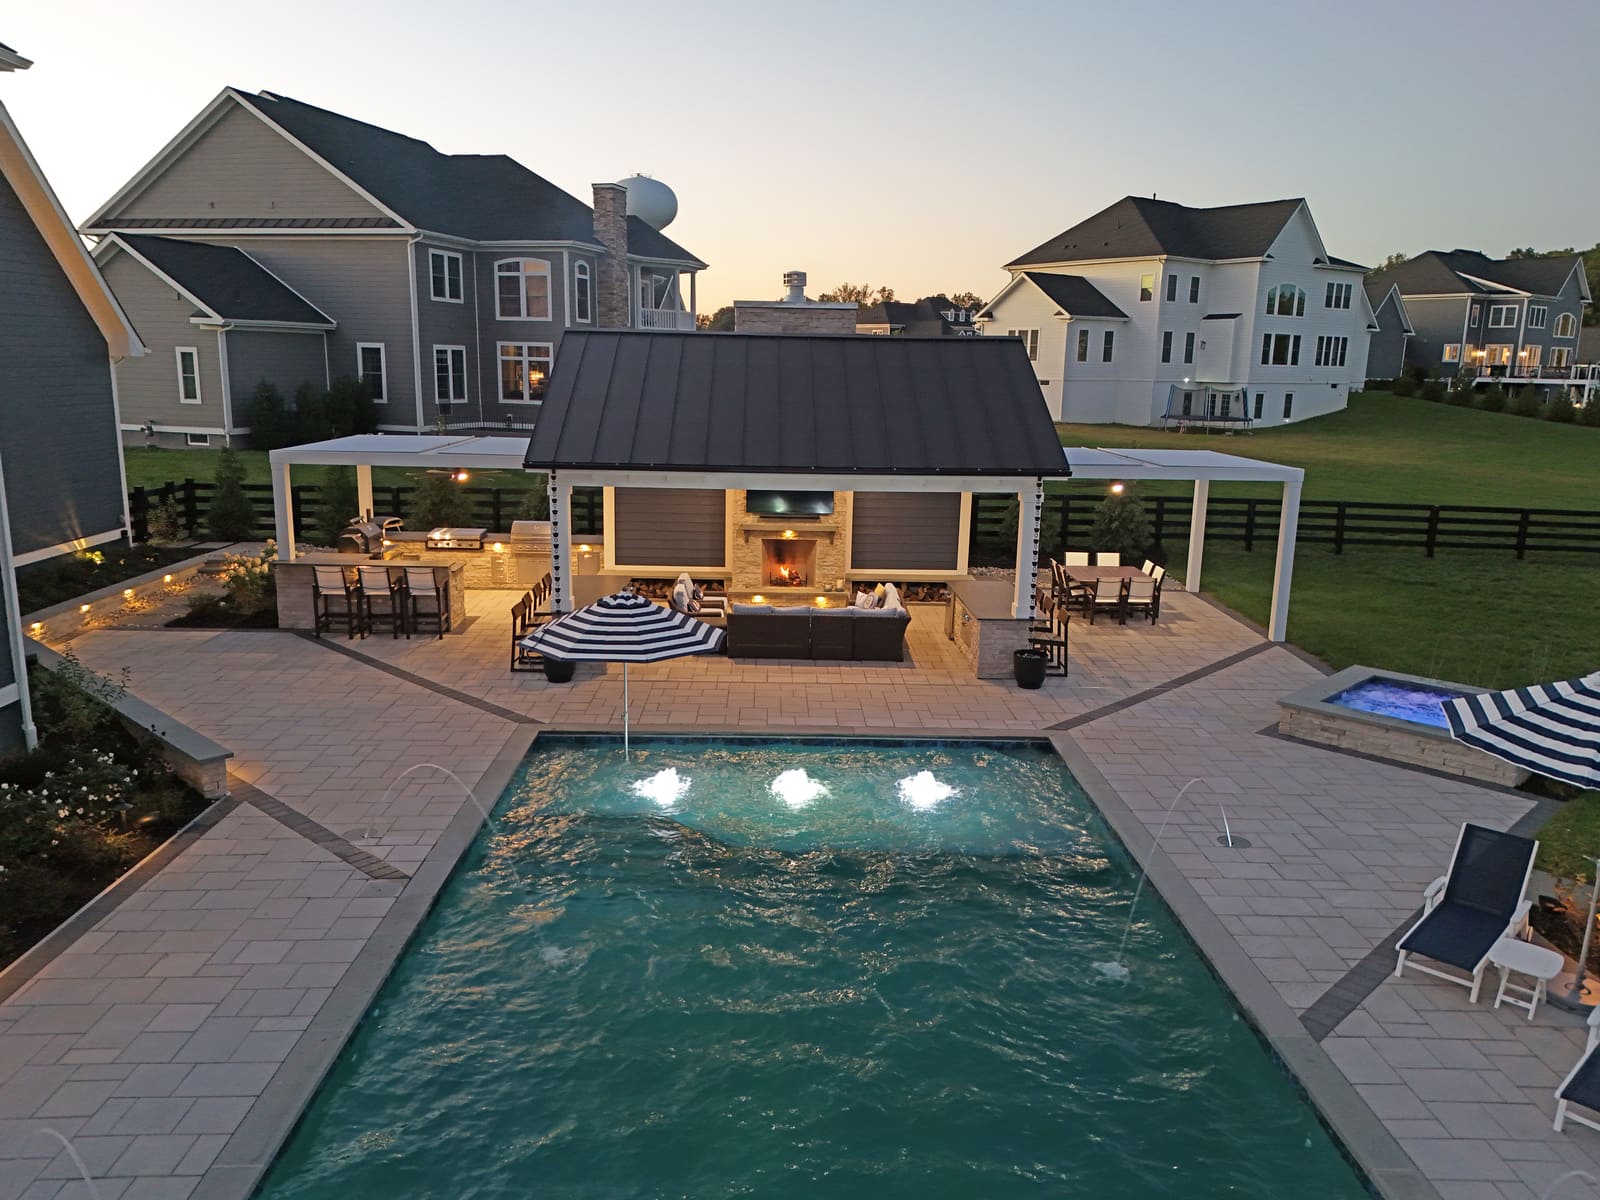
[
  {"x": 559, "y": 671},
  {"x": 1029, "y": 667}
]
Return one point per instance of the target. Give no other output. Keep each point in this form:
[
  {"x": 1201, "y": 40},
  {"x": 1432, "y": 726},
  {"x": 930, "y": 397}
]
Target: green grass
[
  {"x": 151, "y": 467},
  {"x": 1405, "y": 450},
  {"x": 1570, "y": 840}
]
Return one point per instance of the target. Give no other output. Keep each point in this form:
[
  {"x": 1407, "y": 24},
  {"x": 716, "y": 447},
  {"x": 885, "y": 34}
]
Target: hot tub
[{"x": 1390, "y": 715}]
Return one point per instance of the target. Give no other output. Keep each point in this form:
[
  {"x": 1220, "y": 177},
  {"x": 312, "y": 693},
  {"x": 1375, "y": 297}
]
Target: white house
[{"x": 1150, "y": 312}]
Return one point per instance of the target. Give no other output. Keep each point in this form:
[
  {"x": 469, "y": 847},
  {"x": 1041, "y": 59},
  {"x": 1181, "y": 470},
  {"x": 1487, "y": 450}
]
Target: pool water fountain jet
[
  {"x": 1227, "y": 839},
  {"x": 1117, "y": 968},
  {"x": 1549, "y": 1192},
  {"x": 77, "y": 1161},
  {"x": 369, "y": 833}
]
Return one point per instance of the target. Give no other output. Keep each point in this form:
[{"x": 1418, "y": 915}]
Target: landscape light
[
  {"x": 461, "y": 476},
  {"x": 822, "y": 602},
  {"x": 37, "y": 627},
  {"x": 1117, "y": 488},
  {"x": 758, "y": 598},
  {"x": 83, "y": 608},
  {"x": 127, "y": 593},
  {"x": 499, "y": 547},
  {"x": 166, "y": 579},
  {"x": 585, "y": 548}
]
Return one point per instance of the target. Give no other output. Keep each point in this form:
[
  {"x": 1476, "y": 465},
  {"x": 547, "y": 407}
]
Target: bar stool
[
  {"x": 426, "y": 600},
  {"x": 1048, "y": 630},
  {"x": 333, "y": 597},
  {"x": 382, "y": 602}
]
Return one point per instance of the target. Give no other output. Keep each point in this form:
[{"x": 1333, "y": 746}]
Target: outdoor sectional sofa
[{"x": 850, "y": 634}]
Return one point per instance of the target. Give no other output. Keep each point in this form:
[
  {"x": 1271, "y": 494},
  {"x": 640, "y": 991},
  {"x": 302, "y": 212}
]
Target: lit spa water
[
  {"x": 801, "y": 970},
  {"x": 1402, "y": 701}
]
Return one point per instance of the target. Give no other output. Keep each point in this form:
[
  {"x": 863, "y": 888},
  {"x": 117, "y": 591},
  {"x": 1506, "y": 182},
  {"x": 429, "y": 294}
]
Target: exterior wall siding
[
  {"x": 148, "y": 387},
  {"x": 241, "y": 167},
  {"x": 669, "y": 527},
  {"x": 1438, "y": 323},
  {"x": 282, "y": 358},
  {"x": 57, "y": 420},
  {"x": 1386, "y": 351},
  {"x": 905, "y": 531}
]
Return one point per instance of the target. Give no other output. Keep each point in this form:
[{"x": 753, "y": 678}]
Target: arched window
[
  {"x": 1566, "y": 325},
  {"x": 582, "y": 294},
  {"x": 522, "y": 289},
  {"x": 1286, "y": 300}
]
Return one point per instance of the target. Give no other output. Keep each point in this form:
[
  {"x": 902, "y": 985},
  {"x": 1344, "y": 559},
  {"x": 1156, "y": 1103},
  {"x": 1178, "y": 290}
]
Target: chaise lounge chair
[
  {"x": 1467, "y": 911},
  {"x": 1582, "y": 1084}
]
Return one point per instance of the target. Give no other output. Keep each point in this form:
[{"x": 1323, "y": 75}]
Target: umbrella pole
[
  {"x": 1576, "y": 994},
  {"x": 625, "y": 752}
]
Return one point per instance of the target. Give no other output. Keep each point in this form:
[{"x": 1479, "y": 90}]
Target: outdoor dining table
[{"x": 1092, "y": 575}]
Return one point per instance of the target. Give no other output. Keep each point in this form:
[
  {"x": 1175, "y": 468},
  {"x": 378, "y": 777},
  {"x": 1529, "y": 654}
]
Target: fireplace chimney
[
  {"x": 793, "y": 314},
  {"x": 795, "y": 281},
  {"x": 611, "y": 231}
]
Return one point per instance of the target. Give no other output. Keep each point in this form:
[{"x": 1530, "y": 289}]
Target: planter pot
[
  {"x": 1029, "y": 666},
  {"x": 557, "y": 671}
]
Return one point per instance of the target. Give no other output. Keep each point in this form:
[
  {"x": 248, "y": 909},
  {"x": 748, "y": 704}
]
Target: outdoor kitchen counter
[
  {"x": 978, "y": 620},
  {"x": 296, "y": 595}
]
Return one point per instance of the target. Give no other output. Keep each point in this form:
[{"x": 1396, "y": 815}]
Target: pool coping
[
  {"x": 1356, "y": 1129},
  {"x": 250, "y": 1151}
]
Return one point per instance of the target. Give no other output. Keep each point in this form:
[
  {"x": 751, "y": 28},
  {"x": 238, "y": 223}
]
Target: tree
[
  {"x": 231, "y": 517},
  {"x": 966, "y": 299},
  {"x": 311, "y": 414},
  {"x": 348, "y": 408},
  {"x": 1393, "y": 260},
  {"x": 1120, "y": 524},
  {"x": 864, "y": 295},
  {"x": 439, "y": 500},
  {"x": 339, "y": 500},
  {"x": 720, "y": 321},
  {"x": 271, "y": 426}
]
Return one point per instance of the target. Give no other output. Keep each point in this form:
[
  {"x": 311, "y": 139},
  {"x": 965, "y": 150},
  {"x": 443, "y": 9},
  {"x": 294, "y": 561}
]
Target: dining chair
[
  {"x": 1107, "y": 558},
  {"x": 1108, "y": 597}
]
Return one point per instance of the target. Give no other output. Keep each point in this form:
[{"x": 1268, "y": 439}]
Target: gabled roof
[
  {"x": 924, "y": 317},
  {"x": 787, "y": 404},
  {"x": 1335, "y": 261},
  {"x": 1136, "y": 227},
  {"x": 1460, "y": 272},
  {"x": 225, "y": 281},
  {"x": 1379, "y": 291},
  {"x": 477, "y": 197},
  {"x": 10, "y": 60},
  {"x": 21, "y": 171},
  {"x": 1075, "y": 294}
]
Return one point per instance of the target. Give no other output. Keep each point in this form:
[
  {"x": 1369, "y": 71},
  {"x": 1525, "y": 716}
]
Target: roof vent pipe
[{"x": 795, "y": 281}]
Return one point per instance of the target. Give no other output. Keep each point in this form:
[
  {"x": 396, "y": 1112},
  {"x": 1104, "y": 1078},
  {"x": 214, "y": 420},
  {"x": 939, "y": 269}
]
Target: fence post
[
  {"x": 494, "y": 505},
  {"x": 1338, "y": 529},
  {"x": 1433, "y": 529},
  {"x": 297, "y": 502},
  {"x": 1160, "y": 522},
  {"x": 1522, "y": 534},
  {"x": 138, "y": 510},
  {"x": 1249, "y": 526}
]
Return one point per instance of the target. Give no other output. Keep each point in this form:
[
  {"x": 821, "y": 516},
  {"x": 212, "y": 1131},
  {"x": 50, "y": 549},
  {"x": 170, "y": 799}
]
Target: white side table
[{"x": 1524, "y": 958}]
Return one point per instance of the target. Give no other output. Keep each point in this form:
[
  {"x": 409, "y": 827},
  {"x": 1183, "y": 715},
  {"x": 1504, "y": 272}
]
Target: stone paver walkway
[{"x": 151, "y": 1038}]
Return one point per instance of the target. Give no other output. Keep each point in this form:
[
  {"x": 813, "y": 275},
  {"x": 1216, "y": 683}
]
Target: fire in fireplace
[{"x": 788, "y": 562}]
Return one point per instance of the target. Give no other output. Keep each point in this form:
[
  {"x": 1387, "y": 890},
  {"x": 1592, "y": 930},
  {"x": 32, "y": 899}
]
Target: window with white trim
[
  {"x": 1106, "y": 346},
  {"x": 1188, "y": 347},
  {"x": 1147, "y": 288},
  {"x": 1280, "y": 350},
  {"x": 1166, "y": 346},
  {"x": 188, "y": 375},
  {"x": 522, "y": 289},
  {"x": 1452, "y": 352},
  {"x": 1531, "y": 355},
  {"x": 1337, "y": 296},
  {"x": 1286, "y": 300},
  {"x": 1261, "y": 402},
  {"x": 1473, "y": 315},
  {"x": 1560, "y": 356},
  {"x": 1172, "y": 288},
  {"x": 444, "y": 276},
  {"x": 582, "y": 293},
  {"x": 1083, "y": 345},
  {"x": 1538, "y": 316},
  {"x": 1566, "y": 326},
  {"x": 1331, "y": 351},
  {"x": 449, "y": 375},
  {"x": 1030, "y": 341},
  {"x": 1497, "y": 356},
  {"x": 1502, "y": 316},
  {"x": 1194, "y": 289},
  {"x": 197, "y": 439},
  {"x": 1288, "y": 405},
  {"x": 1188, "y": 404},
  {"x": 524, "y": 371},
  {"x": 372, "y": 371}
]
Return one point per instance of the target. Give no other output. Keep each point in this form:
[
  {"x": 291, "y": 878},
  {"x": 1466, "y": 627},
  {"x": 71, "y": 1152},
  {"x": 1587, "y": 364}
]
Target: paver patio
[{"x": 150, "y": 1039}]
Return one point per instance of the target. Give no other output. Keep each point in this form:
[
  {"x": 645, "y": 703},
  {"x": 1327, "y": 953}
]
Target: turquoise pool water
[{"x": 797, "y": 970}]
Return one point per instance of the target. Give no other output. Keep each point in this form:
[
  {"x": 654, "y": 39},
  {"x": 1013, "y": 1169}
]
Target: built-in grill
[
  {"x": 361, "y": 537},
  {"x": 530, "y": 550}
]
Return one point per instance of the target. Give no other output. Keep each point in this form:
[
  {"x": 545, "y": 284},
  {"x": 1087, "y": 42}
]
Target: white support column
[
  {"x": 1283, "y": 569},
  {"x": 560, "y": 545},
  {"x": 364, "y": 489},
  {"x": 1197, "y": 535},
  {"x": 1030, "y": 503},
  {"x": 283, "y": 509}
]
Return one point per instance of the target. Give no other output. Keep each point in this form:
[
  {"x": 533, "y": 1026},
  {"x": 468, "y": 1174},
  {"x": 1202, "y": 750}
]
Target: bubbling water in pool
[
  {"x": 923, "y": 791},
  {"x": 666, "y": 787},
  {"x": 796, "y": 789}
]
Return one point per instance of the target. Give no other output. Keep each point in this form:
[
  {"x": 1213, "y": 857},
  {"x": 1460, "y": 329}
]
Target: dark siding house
[
  {"x": 1392, "y": 331},
  {"x": 61, "y": 479}
]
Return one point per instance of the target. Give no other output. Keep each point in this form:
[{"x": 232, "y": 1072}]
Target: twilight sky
[{"x": 916, "y": 146}]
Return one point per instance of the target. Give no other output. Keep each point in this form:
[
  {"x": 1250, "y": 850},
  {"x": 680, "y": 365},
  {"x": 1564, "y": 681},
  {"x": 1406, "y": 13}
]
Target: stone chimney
[
  {"x": 611, "y": 231},
  {"x": 794, "y": 313}
]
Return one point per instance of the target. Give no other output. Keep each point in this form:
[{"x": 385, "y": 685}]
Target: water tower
[{"x": 652, "y": 201}]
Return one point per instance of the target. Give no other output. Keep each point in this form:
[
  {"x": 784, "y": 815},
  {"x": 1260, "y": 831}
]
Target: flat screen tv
[{"x": 789, "y": 504}]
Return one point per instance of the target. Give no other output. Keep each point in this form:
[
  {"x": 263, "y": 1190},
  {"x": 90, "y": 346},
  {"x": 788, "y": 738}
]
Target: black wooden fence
[
  {"x": 1332, "y": 523},
  {"x": 492, "y": 508}
]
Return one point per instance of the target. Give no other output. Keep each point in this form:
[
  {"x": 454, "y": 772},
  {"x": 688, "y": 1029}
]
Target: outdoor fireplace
[{"x": 788, "y": 562}]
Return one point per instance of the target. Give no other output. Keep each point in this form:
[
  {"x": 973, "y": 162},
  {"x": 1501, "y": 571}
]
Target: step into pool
[{"x": 784, "y": 969}]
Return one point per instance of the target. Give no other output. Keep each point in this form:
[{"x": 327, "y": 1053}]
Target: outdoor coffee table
[{"x": 1524, "y": 958}]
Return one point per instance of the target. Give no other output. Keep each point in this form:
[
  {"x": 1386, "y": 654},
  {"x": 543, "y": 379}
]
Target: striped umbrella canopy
[
  {"x": 1548, "y": 728},
  {"x": 624, "y": 628}
]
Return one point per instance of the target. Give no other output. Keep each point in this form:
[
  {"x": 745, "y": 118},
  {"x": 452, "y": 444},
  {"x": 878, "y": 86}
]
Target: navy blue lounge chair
[
  {"x": 1467, "y": 911},
  {"x": 1582, "y": 1084}
]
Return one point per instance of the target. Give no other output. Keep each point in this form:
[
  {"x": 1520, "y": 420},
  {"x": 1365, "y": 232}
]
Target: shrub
[
  {"x": 231, "y": 517},
  {"x": 271, "y": 425},
  {"x": 339, "y": 499},
  {"x": 1378, "y": 385},
  {"x": 1405, "y": 386},
  {"x": 535, "y": 505},
  {"x": 248, "y": 579},
  {"x": 1561, "y": 410},
  {"x": 1526, "y": 403},
  {"x": 73, "y": 702},
  {"x": 349, "y": 407},
  {"x": 165, "y": 523},
  {"x": 1432, "y": 390},
  {"x": 439, "y": 500},
  {"x": 1492, "y": 398},
  {"x": 1460, "y": 397},
  {"x": 1590, "y": 414},
  {"x": 1120, "y": 524},
  {"x": 207, "y": 606},
  {"x": 311, "y": 414},
  {"x": 1419, "y": 375}
]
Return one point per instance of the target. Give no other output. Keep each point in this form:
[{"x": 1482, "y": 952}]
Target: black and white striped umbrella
[
  {"x": 624, "y": 628},
  {"x": 1549, "y": 728}
]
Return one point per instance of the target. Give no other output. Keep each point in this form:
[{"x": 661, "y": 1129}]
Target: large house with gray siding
[
  {"x": 1391, "y": 330},
  {"x": 444, "y": 281},
  {"x": 62, "y": 335},
  {"x": 1503, "y": 318}
]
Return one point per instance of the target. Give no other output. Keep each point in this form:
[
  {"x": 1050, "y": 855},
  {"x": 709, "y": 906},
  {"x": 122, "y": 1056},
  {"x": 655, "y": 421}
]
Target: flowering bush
[{"x": 248, "y": 578}]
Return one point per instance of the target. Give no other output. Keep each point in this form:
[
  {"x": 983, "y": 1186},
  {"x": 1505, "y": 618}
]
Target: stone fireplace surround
[
  {"x": 752, "y": 536},
  {"x": 788, "y": 562}
]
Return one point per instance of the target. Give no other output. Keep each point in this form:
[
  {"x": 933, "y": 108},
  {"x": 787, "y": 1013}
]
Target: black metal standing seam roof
[
  {"x": 227, "y": 281},
  {"x": 1077, "y": 295},
  {"x": 1136, "y": 227},
  {"x": 481, "y": 197},
  {"x": 621, "y": 399}
]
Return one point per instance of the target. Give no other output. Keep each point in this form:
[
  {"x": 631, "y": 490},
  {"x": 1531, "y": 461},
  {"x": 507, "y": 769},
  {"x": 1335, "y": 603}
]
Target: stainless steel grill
[{"x": 361, "y": 537}]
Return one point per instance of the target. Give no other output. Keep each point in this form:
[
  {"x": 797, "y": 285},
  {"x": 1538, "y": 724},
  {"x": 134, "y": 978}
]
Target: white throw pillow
[
  {"x": 865, "y": 600},
  {"x": 891, "y": 597}
]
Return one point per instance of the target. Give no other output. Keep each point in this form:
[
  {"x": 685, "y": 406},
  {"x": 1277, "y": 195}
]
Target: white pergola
[{"x": 1202, "y": 468}]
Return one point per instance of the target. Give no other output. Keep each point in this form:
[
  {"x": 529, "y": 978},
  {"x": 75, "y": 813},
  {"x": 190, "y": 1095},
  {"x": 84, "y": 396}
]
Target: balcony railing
[
  {"x": 665, "y": 318},
  {"x": 1573, "y": 372}
]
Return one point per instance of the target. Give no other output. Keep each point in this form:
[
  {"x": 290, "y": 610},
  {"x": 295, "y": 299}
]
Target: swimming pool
[{"x": 801, "y": 969}]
